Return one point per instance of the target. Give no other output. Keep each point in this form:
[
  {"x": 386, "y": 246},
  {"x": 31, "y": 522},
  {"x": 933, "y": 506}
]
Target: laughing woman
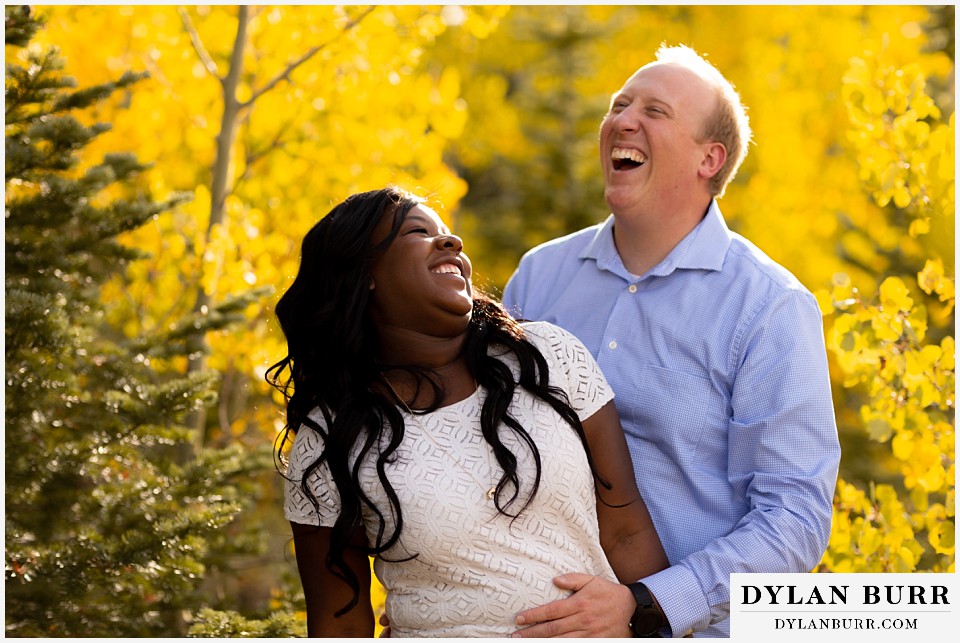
[{"x": 474, "y": 457}]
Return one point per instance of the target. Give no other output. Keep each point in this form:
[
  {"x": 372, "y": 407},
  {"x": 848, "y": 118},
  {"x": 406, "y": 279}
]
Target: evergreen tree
[{"x": 108, "y": 532}]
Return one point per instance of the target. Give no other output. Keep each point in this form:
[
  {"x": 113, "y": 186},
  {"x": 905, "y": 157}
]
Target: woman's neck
[
  {"x": 442, "y": 357},
  {"x": 403, "y": 347}
]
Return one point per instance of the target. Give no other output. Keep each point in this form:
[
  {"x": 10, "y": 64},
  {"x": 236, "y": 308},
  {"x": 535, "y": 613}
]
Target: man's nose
[{"x": 627, "y": 120}]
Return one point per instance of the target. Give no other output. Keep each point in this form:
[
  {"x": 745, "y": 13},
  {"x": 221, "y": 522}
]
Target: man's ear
[
  {"x": 372, "y": 285},
  {"x": 713, "y": 158}
]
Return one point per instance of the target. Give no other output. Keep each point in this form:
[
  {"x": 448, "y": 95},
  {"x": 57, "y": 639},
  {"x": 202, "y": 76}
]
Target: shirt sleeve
[
  {"x": 579, "y": 374},
  {"x": 297, "y": 505},
  {"x": 783, "y": 457},
  {"x": 515, "y": 292}
]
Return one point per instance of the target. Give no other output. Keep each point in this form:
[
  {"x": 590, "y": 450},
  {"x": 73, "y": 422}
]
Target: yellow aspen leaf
[
  {"x": 902, "y": 445},
  {"x": 917, "y": 322},
  {"x": 886, "y": 495},
  {"x": 943, "y": 537},
  {"x": 840, "y": 539},
  {"x": 909, "y": 132},
  {"x": 848, "y": 494},
  {"x": 932, "y": 274},
  {"x": 870, "y": 540},
  {"x": 901, "y": 197},
  {"x": 948, "y": 354},
  {"x": 844, "y": 323},
  {"x": 898, "y": 419},
  {"x": 887, "y": 328},
  {"x": 935, "y": 514},
  {"x": 825, "y": 301},
  {"x": 918, "y": 227},
  {"x": 899, "y": 534},
  {"x": 905, "y": 560},
  {"x": 920, "y": 500},
  {"x": 930, "y": 355},
  {"x": 933, "y": 479},
  {"x": 894, "y": 295},
  {"x": 947, "y": 290}
]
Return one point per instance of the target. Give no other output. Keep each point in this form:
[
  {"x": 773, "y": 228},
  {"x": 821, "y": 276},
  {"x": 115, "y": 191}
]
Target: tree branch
[
  {"x": 205, "y": 58},
  {"x": 285, "y": 74},
  {"x": 251, "y": 156}
]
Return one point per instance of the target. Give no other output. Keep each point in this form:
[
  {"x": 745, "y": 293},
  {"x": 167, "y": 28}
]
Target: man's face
[{"x": 649, "y": 140}]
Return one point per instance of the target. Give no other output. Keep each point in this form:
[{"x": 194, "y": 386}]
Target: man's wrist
[{"x": 648, "y": 619}]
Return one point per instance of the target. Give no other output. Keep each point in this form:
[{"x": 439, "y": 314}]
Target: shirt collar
[{"x": 704, "y": 248}]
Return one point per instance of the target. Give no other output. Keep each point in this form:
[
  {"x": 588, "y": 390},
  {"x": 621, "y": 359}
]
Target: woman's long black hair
[{"x": 331, "y": 365}]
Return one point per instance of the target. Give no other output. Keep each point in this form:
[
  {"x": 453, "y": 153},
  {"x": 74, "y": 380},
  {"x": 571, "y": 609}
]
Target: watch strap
[{"x": 647, "y": 618}]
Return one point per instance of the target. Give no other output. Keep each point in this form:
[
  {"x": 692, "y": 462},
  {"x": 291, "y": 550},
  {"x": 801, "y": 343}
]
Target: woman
[{"x": 463, "y": 450}]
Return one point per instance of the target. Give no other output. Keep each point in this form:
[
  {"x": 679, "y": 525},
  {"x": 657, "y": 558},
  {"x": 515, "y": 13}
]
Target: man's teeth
[
  {"x": 446, "y": 269},
  {"x": 624, "y": 154}
]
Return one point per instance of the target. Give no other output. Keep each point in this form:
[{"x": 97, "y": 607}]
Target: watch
[{"x": 647, "y": 619}]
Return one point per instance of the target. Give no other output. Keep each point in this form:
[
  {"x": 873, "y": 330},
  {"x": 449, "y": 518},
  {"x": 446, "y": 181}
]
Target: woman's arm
[
  {"x": 626, "y": 530},
  {"x": 325, "y": 593}
]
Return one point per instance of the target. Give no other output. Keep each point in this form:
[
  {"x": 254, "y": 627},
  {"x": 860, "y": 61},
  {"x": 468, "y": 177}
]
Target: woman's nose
[{"x": 449, "y": 242}]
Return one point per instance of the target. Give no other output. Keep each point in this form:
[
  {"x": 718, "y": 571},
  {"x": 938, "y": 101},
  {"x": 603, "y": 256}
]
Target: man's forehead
[{"x": 681, "y": 77}]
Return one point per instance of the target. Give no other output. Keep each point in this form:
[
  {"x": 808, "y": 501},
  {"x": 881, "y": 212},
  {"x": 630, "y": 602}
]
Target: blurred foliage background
[{"x": 252, "y": 122}]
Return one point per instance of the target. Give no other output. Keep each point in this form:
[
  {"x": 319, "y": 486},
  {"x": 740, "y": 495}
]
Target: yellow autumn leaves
[{"x": 890, "y": 348}]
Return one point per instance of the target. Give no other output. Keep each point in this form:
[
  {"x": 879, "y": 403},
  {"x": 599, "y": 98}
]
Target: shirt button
[
  {"x": 613, "y": 344},
  {"x": 632, "y": 288}
]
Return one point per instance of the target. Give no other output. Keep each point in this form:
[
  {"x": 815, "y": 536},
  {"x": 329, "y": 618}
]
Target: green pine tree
[{"x": 109, "y": 530}]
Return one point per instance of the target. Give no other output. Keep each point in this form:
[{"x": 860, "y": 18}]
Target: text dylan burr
[{"x": 838, "y": 594}]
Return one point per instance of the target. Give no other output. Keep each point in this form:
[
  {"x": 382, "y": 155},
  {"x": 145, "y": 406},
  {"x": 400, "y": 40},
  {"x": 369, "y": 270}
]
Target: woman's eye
[{"x": 417, "y": 230}]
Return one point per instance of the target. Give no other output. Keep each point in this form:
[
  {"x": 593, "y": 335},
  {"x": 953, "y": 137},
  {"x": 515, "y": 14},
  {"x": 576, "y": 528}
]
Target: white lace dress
[{"x": 475, "y": 568}]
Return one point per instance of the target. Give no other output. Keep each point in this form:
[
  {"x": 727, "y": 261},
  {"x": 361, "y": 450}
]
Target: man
[{"x": 715, "y": 354}]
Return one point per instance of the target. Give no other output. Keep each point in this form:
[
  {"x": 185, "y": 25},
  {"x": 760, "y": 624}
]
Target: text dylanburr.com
[{"x": 844, "y": 607}]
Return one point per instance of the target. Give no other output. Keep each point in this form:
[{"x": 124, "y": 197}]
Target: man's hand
[
  {"x": 597, "y": 608},
  {"x": 385, "y": 622}
]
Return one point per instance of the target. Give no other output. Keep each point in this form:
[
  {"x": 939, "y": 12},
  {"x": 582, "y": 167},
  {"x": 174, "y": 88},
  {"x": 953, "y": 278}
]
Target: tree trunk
[{"x": 221, "y": 185}]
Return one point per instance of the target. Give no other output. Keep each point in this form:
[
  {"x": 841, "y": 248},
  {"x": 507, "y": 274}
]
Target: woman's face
[{"x": 422, "y": 280}]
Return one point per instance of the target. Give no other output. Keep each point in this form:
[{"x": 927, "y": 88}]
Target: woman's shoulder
[
  {"x": 308, "y": 438},
  {"x": 545, "y": 334}
]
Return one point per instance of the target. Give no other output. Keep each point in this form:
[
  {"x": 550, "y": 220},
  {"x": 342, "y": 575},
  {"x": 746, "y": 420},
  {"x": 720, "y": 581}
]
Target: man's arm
[{"x": 783, "y": 457}]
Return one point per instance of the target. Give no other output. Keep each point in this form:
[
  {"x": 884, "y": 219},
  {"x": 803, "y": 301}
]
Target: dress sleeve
[
  {"x": 572, "y": 368},
  {"x": 297, "y": 506}
]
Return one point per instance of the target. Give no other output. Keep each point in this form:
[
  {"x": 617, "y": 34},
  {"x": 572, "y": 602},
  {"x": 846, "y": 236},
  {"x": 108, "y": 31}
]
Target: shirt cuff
[{"x": 686, "y": 610}]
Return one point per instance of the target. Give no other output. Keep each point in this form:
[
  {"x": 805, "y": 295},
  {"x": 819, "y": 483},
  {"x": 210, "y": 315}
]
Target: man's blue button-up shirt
[{"x": 717, "y": 360}]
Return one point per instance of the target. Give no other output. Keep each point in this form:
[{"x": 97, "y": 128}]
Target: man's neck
[{"x": 643, "y": 242}]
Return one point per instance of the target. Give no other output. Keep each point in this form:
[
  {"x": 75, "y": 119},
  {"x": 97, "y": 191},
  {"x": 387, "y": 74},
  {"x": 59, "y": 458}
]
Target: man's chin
[{"x": 619, "y": 198}]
